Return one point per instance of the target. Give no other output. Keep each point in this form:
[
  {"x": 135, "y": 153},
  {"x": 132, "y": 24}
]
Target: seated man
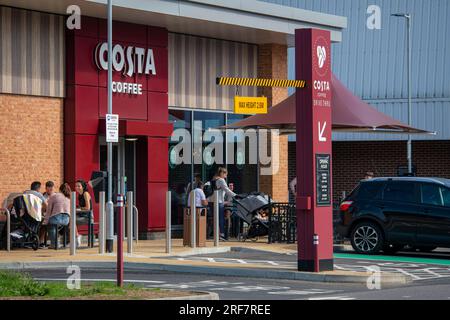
[
  {"x": 200, "y": 198},
  {"x": 35, "y": 189}
]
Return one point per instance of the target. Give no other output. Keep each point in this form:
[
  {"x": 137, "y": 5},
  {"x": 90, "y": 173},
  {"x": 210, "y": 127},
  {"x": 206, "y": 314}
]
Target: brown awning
[{"x": 349, "y": 113}]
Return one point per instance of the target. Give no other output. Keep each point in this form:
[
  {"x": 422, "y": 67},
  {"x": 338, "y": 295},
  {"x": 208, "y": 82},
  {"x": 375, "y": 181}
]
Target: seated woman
[
  {"x": 84, "y": 198},
  {"x": 58, "y": 210},
  {"x": 84, "y": 202}
]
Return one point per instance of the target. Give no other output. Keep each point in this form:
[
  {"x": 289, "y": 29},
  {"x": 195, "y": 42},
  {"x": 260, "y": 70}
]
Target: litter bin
[{"x": 200, "y": 224}]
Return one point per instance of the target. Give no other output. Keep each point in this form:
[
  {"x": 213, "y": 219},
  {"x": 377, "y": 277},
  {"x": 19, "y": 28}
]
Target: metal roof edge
[{"x": 279, "y": 11}]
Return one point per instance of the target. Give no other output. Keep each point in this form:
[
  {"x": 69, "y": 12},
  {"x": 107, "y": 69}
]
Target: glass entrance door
[{"x": 124, "y": 166}]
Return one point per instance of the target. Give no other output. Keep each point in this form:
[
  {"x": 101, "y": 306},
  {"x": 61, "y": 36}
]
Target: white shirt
[
  {"x": 199, "y": 197},
  {"x": 223, "y": 189}
]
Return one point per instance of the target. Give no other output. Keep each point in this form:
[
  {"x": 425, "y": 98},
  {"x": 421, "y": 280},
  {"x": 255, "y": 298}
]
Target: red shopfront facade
[{"x": 143, "y": 117}]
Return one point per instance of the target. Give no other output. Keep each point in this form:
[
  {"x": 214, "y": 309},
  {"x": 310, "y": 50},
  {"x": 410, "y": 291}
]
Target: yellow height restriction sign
[{"x": 250, "y": 105}]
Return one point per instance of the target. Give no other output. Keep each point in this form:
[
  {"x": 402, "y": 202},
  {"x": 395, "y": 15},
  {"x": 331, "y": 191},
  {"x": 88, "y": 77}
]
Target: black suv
[{"x": 391, "y": 213}]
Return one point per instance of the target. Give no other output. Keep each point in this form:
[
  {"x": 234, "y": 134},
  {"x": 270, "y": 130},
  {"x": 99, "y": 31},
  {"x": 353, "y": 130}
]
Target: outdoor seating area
[{"x": 35, "y": 220}]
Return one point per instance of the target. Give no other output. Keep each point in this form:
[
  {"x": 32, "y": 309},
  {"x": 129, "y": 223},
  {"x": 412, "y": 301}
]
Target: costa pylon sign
[{"x": 314, "y": 194}]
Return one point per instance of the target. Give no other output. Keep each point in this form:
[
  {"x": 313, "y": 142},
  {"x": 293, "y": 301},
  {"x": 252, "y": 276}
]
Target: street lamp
[
  {"x": 408, "y": 18},
  {"x": 110, "y": 204}
]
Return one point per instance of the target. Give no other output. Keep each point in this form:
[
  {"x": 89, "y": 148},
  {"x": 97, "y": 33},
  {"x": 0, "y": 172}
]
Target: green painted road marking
[{"x": 392, "y": 258}]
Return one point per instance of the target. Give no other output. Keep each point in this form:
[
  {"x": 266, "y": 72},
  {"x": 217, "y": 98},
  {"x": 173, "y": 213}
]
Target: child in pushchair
[
  {"x": 26, "y": 217},
  {"x": 253, "y": 208}
]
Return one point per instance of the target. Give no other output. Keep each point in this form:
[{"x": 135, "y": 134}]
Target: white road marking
[
  {"x": 416, "y": 274},
  {"x": 241, "y": 261},
  {"x": 332, "y": 298},
  {"x": 304, "y": 292},
  {"x": 415, "y": 271},
  {"x": 429, "y": 270}
]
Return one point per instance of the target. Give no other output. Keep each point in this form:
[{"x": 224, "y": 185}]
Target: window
[
  {"x": 206, "y": 127},
  {"x": 243, "y": 171},
  {"x": 400, "y": 191},
  {"x": 179, "y": 174},
  {"x": 370, "y": 190},
  {"x": 431, "y": 194},
  {"x": 206, "y": 157},
  {"x": 446, "y": 196}
]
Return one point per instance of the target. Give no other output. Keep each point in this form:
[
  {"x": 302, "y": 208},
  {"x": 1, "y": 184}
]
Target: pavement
[
  {"x": 250, "y": 270},
  {"x": 255, "y": 288},
  {"x": 151, "y": 255},
  {"x": 225, "y": 287}
]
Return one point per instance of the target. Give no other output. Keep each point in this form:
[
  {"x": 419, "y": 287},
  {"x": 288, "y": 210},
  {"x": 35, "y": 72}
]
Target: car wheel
[
  {"x": 392, "y": 249},
  {"x": 367, "y": 238},
  {"x": 425, "y": 249}
]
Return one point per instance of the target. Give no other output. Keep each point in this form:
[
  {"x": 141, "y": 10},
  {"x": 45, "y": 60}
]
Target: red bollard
[
  {"x": 316, "y": 253},
  {"x": 120, "y": 241}
]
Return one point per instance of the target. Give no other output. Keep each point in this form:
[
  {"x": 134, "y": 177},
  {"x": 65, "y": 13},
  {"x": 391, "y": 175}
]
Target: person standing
[
  {"x": 228, "y": 208},
  {"x": 219, "y": 183},
  {"x": 369, "y": 175}
]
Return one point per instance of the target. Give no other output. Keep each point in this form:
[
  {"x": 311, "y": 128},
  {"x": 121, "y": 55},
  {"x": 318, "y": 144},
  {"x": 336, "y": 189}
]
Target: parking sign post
[{"x": 109, "y": 205}]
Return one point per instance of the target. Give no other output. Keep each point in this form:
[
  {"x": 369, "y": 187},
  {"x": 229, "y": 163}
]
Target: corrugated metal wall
[
  {"x": 194, "y": 64},
  {"x": 32, "y": 59},
  {"x": 372, "y": 63}
]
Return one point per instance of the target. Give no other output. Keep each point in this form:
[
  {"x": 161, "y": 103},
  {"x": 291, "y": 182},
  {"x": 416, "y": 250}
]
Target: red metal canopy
[{"x": 349, "y": 113}]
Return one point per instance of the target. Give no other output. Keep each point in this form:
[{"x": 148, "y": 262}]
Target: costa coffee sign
[
  {"x": 321, "y": 64},
  {"x": 127, "y": 60}
]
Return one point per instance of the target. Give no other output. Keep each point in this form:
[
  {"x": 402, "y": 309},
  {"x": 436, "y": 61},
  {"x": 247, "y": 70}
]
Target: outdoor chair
[{"x": 86, "y": 218}]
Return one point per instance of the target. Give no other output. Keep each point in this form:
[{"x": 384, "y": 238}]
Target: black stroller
[
  {"x": 24, "y": 227},
  {"x": 253, "y": 209}
]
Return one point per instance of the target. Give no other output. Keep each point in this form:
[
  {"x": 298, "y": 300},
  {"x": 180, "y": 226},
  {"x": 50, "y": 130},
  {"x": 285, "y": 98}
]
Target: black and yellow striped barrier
[{"x": 257, "y": 82}]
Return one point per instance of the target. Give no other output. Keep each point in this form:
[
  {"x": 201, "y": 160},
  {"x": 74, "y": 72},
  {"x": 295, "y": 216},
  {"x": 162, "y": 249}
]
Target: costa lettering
[
  {"x": 321, "y": 85},
  {"x": 129, "y": 60},
  {"x": 125, "y": 87}
]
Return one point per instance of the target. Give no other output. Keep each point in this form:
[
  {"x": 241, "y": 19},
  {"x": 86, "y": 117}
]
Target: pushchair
[
  {"x": 25, "y": 222},
  {"x": 253, "y": 209}
]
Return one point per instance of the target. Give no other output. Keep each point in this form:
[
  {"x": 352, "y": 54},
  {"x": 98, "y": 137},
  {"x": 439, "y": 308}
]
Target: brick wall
[
  {"x": 31, "y": 141},
  {"x": 351, "y": 160},
  {"x": 272, "y": 64}
]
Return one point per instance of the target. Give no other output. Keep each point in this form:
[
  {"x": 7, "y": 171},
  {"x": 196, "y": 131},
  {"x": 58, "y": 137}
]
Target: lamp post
[
  {"x": 408, "y": 18},
  {"x": 110, "y": 204}
]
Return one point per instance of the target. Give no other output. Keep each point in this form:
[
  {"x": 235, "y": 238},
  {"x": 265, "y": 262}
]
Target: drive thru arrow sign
[{"x": 321, "y": 131}]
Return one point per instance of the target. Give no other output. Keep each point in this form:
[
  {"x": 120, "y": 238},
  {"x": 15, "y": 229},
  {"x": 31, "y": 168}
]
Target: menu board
[{"x": 323, "y": 180}]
